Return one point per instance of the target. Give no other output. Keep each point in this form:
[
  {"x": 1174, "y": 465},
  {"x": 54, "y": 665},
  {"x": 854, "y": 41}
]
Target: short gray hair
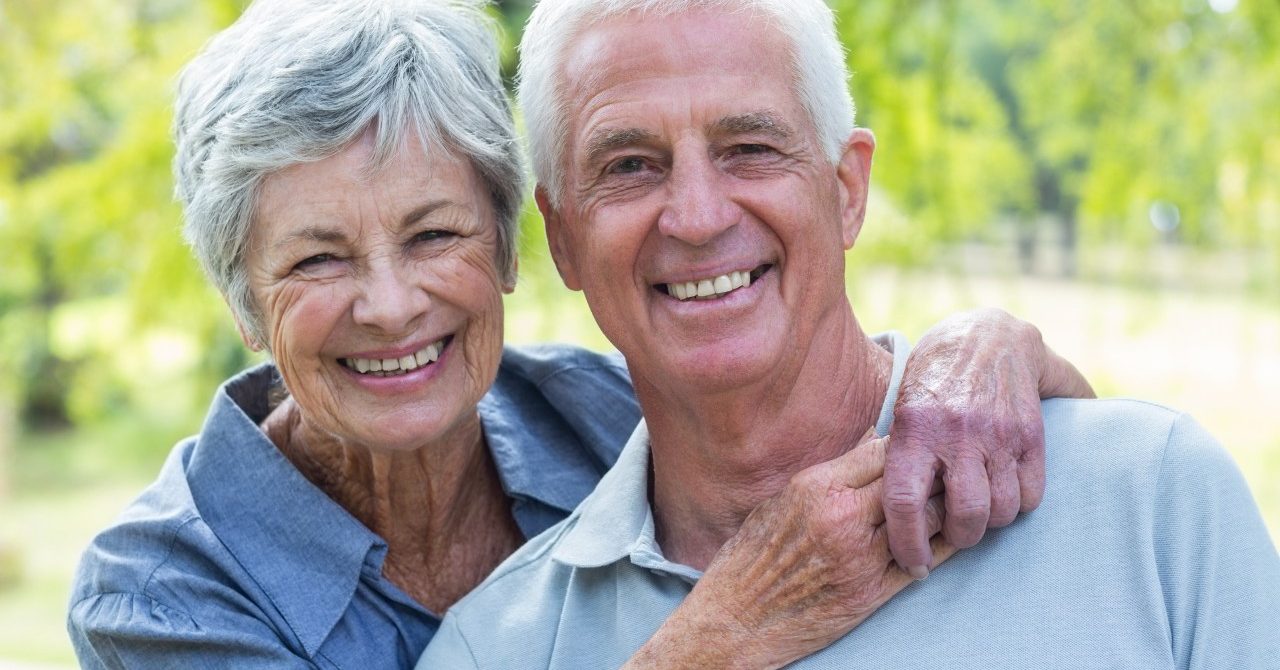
[
  {"x": 818, "y": 64},
  {"x": 295, "y": 81}
]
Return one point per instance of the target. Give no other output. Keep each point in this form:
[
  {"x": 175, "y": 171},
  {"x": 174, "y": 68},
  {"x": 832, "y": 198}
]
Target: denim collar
[{"x": 268, "y": 514}]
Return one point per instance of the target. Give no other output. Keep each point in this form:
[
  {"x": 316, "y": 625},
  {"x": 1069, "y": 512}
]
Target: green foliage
[
  {"x": 994, "y": 118},
  {"x": 1089, "y": 112},
  {"x": 100, "y": 292}
]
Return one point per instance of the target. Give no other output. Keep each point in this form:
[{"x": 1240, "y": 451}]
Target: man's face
[{"x": 692, "y": 169}]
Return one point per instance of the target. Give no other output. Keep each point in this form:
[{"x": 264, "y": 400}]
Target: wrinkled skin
[
  {"x": 808, "y": 566},
  {"x": 968, "y": 412},
  {"x": 674, "y": 192}
]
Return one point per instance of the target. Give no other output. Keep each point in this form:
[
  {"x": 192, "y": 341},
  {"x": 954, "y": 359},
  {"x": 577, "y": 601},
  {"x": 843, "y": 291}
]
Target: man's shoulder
[
  {"x": 522, "y": 599},
  {"x": 524, "y": 584},
  {"x": 1111, "y": 434},
  {"x": 1131, "y": 450}
]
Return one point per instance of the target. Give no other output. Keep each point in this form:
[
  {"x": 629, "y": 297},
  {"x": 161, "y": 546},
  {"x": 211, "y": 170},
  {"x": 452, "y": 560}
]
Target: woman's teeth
[
  {"x": 383, "y": 367},
  {"x": 710, "y": 287}
]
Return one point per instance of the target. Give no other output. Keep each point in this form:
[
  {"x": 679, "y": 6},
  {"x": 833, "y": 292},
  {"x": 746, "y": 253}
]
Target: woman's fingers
[
  {"x": 895, "y": 578},
  {"x": 863, "y": 464}
]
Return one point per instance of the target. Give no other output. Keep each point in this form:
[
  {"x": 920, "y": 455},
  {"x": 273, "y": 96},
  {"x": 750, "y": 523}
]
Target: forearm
[{"x": 699, "y": 636}]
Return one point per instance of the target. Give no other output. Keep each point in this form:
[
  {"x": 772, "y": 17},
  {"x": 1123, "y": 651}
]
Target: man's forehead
[{"x": 666, "y": 41}]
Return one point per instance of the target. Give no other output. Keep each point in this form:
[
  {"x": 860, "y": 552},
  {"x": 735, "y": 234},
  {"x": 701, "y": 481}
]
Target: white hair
[
  {"x": 296, "y": 81},
  {"x": 818, "y": 68}
]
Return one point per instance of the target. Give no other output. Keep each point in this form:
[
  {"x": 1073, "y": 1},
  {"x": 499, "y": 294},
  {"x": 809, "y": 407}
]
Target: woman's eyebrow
[
  {"x": 423, "y": 210},
  {"x": 311, "y": 234}
]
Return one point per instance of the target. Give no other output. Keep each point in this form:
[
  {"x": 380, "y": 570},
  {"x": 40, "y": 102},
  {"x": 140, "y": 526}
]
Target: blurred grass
[
  {"x": 58, "y": 502},
  {"x": 1214, "y": 354}
]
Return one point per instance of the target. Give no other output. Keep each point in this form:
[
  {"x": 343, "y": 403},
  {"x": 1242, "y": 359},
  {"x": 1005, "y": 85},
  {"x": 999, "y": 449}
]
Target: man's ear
[
  {"x": 854, "y": 176},
  {"x": 556, "y": 234}
]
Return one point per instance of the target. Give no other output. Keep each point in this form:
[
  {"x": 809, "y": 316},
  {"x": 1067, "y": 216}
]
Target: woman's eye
[
  {"x": 312, "y": 261},
  {"x": 627, "y": 165},
  {"x": 431, "y": 235}
]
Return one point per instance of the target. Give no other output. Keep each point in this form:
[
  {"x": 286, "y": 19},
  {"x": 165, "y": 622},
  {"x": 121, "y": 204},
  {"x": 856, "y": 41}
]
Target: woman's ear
[
  {"x": 249, "y": 340},
  {"x": 509, "y": 284}
]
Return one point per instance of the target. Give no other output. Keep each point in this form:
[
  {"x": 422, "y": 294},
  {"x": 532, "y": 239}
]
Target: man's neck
[{"x": 717, "y": 456}]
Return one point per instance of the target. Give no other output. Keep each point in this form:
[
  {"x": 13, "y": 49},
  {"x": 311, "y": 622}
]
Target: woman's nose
[{"x": 391, "y": 298}]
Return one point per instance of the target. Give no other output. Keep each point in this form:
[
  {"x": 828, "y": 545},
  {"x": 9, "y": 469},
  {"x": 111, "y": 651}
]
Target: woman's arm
[
  {"x": 806, "y": 568},
  {"x": 968, "y": 412}
]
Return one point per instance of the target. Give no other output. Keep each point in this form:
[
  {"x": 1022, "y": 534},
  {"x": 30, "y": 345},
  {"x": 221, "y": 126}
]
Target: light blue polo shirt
[{"x": 1147, "y": 552}]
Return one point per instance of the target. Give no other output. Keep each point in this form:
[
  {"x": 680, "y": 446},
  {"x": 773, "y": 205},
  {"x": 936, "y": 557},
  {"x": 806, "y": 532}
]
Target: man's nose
[
  {"x": 391, "y": 298},
  {"x": 699, "y": 208}
]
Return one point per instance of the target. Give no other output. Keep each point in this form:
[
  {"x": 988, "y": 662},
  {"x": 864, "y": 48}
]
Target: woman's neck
[{"x": 440, "y": 508}]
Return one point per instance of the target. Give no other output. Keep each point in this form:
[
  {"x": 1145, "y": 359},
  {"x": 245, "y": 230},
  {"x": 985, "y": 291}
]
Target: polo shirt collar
[
  {"x": 268, "y": 514},
  {"x": 616, "y": 520}
]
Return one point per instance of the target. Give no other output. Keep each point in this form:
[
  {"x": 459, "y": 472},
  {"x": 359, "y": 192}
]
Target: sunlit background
[{"x": 1108, "y": 170}]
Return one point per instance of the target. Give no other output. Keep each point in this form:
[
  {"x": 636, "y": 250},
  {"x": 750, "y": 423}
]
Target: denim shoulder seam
[
  {"x": 145, "y": 588},
  {"x": 131, "y": 594}
]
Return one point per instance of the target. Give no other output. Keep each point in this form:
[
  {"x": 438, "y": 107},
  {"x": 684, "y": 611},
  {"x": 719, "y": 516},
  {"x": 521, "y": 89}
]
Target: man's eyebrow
[
  {"x": 604, "y": 140},
  {"x": 754, "y": 122}
]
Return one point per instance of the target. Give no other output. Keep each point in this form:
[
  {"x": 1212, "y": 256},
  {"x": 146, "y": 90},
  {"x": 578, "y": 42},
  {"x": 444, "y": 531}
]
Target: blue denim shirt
[{"x": 233, "y": 559}]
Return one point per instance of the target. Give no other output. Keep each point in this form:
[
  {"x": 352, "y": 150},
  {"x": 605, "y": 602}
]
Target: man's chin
[{"x": 719, "y": 369}]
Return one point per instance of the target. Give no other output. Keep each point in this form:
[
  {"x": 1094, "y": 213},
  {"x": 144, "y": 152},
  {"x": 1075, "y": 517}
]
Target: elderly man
[{"x": 701, "y": 178}]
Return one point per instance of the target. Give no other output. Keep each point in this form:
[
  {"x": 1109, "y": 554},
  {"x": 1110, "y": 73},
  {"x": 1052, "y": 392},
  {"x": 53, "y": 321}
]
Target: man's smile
[{"x": 709, "y": 288}]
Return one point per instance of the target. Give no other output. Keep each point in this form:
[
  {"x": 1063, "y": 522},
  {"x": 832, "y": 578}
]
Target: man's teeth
[
  {"x": 383, "y": 367},
  {"x": 709, "y": 287}
]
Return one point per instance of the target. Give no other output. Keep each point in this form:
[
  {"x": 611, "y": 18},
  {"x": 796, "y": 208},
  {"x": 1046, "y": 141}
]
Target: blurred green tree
[
  {"x": 97, "y": 275},
  {"x": 1088, "y": 124},
  {"x": 1131, "y": 122}
]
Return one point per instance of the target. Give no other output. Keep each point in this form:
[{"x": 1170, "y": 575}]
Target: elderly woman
[{"x": 350, "y": 182}]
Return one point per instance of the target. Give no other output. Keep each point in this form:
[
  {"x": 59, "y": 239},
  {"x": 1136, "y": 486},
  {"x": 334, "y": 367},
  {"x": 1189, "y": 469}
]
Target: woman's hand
[
  {"x": 968, "y": 412},
  {"x": 807, "y": 566}
]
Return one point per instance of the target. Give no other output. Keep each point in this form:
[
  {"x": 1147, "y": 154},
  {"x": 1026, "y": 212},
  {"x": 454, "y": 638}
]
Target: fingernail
[{"x": 918, "y": 572}]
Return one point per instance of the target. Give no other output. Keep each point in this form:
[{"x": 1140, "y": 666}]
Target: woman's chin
[{"x": 400, "y": 434}]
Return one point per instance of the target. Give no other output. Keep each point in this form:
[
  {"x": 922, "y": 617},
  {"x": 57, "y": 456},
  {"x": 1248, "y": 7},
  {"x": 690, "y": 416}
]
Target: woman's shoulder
[
  {"x": 559, "y": 383},
  {"x": 160, "y": 525},
  {"x": 539, "y": 363}
]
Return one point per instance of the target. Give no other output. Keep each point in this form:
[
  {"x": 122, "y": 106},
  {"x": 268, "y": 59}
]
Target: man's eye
[
  {"x": 627, "y": 165},
  {"x": 752, "y": 149}
]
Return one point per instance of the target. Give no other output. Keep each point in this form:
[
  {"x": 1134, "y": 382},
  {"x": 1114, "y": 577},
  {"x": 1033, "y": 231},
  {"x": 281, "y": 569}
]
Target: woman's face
[{"x": 379, "y": 293}]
